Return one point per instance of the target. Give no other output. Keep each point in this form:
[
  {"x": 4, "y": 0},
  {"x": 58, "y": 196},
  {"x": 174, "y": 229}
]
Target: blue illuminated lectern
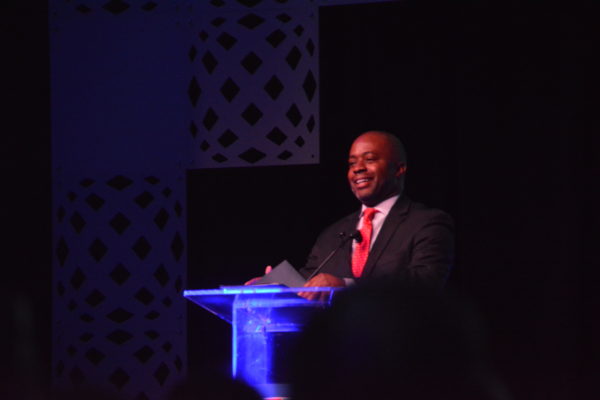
[{"x": 266, "y": 321}]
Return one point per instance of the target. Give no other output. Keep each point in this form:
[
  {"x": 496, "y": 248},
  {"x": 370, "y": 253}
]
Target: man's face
[{"x": 374, "y": 169}]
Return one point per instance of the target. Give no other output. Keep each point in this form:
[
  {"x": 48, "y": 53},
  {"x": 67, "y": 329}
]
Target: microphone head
[{"x": 356, "y": 236}]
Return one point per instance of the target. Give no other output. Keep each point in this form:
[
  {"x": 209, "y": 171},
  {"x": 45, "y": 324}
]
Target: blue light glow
[{"x": 266, "y": 321}]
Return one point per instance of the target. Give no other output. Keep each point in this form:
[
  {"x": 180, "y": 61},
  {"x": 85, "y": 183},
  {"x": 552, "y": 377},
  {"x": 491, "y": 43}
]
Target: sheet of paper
[{"x": 284, "y": 274}]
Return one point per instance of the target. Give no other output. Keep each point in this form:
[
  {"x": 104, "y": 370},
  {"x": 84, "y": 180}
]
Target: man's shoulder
[{"x": 424, "y": 213}]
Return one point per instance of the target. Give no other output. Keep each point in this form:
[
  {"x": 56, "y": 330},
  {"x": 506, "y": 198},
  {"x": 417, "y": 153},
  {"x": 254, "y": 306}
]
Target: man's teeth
[{"x": 362, "y": 180}]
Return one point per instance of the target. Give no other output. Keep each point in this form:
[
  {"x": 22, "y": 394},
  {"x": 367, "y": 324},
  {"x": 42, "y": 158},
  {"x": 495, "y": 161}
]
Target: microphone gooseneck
[{"x": 344, "y": 238}]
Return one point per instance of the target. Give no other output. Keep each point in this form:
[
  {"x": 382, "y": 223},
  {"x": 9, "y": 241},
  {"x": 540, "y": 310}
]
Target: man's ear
[{"x": 401, "y": 169}]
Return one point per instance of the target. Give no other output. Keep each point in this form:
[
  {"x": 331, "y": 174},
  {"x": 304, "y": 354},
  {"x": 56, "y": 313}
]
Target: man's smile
[{"x": 362, "y": 182}]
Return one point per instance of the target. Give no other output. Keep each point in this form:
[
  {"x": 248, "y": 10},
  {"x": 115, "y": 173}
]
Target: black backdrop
[
  {"x": 491, "y": 102},
  {"x": 495, "y": 102}
]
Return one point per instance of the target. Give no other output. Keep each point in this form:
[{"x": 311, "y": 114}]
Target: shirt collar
[{"x": 384, "y": 207}]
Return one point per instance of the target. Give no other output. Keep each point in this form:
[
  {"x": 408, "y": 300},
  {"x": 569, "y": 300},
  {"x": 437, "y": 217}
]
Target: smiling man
[{"x": 398, "y": 237}]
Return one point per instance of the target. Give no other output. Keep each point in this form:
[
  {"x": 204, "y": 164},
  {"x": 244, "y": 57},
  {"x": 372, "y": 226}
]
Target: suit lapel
[{"x": 397, "y": 214}]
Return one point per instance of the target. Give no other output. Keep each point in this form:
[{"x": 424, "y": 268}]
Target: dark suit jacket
[{"x": 416, "y": 243}]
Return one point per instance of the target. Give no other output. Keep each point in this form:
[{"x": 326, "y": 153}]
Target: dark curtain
[{"x": 493, "y": 101}]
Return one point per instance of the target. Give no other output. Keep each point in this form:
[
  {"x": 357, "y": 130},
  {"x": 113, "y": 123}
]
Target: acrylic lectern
[{"x": 266, "y": 321}]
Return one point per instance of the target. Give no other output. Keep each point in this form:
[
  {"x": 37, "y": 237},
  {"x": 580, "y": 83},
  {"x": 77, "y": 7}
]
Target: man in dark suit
[{"x": 400, "y": 238}]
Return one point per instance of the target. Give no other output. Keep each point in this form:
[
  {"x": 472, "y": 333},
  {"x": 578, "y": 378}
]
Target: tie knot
[{"x": 369, "y": 213}]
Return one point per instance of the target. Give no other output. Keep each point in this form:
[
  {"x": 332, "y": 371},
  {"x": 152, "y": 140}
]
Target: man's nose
[{"x": 358, "y": 167}]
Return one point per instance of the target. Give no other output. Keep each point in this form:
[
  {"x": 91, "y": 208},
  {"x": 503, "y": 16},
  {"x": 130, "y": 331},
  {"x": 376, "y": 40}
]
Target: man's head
[{"x": 376, "y": 167}]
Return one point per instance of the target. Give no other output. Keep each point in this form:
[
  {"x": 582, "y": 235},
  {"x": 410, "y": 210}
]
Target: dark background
[{"x": 496, "y": 103}]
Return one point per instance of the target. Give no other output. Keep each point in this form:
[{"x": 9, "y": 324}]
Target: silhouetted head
[{"x": 390, "y": 340}]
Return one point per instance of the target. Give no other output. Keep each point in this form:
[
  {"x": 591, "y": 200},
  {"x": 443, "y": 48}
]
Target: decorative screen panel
[
  {"x": 119, "y": 254},
  {"x": 254, "y": 92}
]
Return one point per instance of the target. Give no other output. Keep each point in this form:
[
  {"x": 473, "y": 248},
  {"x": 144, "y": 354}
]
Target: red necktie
[{"x": 361, "y": 250}]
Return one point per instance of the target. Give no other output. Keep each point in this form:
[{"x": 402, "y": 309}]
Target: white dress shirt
[{"x": 383, "y": 209}]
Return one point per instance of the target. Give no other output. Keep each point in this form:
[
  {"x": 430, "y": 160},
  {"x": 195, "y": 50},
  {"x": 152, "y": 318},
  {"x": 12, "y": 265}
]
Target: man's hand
[
  {"x": 267, "y": 270},
  {"x": 321, "y": 280}
]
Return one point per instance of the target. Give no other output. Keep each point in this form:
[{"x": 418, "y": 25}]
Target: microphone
[
  {"x": 356, "y": 236},
  {"x": 344, "y": 239}
]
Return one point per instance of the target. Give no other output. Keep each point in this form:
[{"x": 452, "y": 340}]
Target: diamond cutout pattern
[
  {"x": 94, "y": 356},
  {"x": 217, "y": 22},
  {"x": 310, "y": 47},
  {"x": 86, "y": 337},
  {"x": 62, "y": 251},
  {"x": 144, "y": 199},
  {"x": 309, "y": 85},
  {"x": 144, "y": 354},
  {"x": 149, "y": 6},
  {"x": 284, "y": 18},
  {"x": 293, "y": 57},
  {"x": 275, "y": 38},
  {"x": 119, "y": 315},
  {"x": 219, "y": 158},
  {"x": 274, "y": 87},
  {"x": 209, "y": 61},
  {"x": 161, "y": 275},
  {"x": 86, "y": 318},
  {"x": 94, "y": 201},
  {"x": 119, "y": 337},
  {"x": 119, "y": 223},
  {"x": 227, "y": 138},
  {"x": 226, "y": 40},
  {"x": 115, "y": 6},
  {"x": 229, "y": 90},
  {"x": 119, "y": 182},
  {"x": 152, "y": 180},
  {"x": 161, "y": 374},
  {"x": 252, "y": 114},
  {"x": 77, "y": 278},
  {"x": 97, "y": 250},
  {"x": 95, "y": 298},
  {"x": 141, "y": 248},
  {"x": 151, "y": 334},
  {"x": 119, "y": 378},
  {"x": 310, "y": 125},
  {"x": 152, "y": 315},
  {"x": 83, "y": 9},
  {"x": 194, "y": 91},
  {"x": 192, "y": 53},
  {"x": 249, "y": 3},
  {"x": 284, "y": 155},
  {"x": 87, "y": 182},
  {"x": 193, "y": 129},
  {"x": 277, "y": 136},
  {"x": 251, "y": 62},
  {"x": 252, "y": 155},
  {"x": 251, "y": 21},
  {"x": 120, "y": 274},
  {"x": 210, "y": 119},
  {"x": 294, "y": 115},
  {"x": 144, "y": 296},
  {"x": 161, "y": 219}
]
